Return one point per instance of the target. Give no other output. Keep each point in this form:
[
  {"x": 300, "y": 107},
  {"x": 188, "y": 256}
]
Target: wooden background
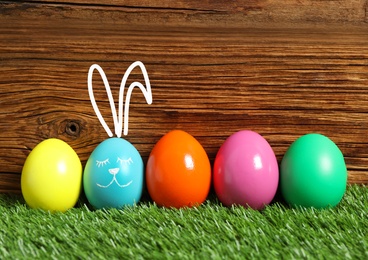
[{"x": 281, "y": 68}]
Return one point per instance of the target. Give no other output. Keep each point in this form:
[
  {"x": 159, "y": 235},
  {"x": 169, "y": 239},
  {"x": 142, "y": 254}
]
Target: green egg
[{"x": 313, "y": 172}]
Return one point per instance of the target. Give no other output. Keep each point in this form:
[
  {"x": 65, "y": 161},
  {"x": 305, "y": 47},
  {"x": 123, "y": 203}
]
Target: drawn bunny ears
[{"x": 118, "y": 119}]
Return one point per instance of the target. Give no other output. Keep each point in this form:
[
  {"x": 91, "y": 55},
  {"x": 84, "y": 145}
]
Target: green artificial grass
[{"x": 208, "y": 231}]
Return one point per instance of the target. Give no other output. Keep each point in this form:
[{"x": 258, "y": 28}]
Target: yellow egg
[{"x": 52, "y": 176}]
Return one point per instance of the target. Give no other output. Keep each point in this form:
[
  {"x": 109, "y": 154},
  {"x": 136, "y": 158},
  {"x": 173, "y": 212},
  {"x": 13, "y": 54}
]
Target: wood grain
[{"x": 282, "y": 69}]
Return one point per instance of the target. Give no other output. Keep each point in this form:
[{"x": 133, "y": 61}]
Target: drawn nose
[{"x": 114, "y": 171}]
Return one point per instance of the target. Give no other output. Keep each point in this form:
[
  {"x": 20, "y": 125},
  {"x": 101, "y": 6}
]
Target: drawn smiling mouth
[{"x": 114, "y": 172}]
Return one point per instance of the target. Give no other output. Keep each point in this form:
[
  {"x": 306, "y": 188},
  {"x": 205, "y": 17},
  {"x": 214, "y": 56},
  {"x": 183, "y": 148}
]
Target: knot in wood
[{"x": 72, "y": 128}]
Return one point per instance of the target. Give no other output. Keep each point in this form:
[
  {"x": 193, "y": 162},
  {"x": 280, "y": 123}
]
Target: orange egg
[{"x": 178, "y": 172}]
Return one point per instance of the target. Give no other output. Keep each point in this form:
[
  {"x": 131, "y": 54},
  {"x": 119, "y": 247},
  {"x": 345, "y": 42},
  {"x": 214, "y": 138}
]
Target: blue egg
[{"x": 113, "y": 176}]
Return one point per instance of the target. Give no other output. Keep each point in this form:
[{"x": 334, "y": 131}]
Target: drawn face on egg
[
  {"x": 113, "y": 176},
  {"x": 114, "y": 171}
]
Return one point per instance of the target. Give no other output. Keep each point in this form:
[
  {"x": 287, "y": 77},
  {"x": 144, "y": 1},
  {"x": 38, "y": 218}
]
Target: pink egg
[{"x": 246, "y": 171}]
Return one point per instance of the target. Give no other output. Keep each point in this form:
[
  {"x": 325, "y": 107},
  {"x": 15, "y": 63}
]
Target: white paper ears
[{"x": 118, "y": 119}]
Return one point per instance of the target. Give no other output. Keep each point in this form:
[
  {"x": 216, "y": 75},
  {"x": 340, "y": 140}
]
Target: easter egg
[
  {"x": 246, "y": 171},
  {"x": 52, "y": 176},
  {"x": 178, "y": 172},
  {"x": 313, "y": 172},
  {"x": 113, "y": 176}
]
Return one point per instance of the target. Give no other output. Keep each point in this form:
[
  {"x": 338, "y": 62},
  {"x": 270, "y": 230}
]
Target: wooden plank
[
  {"x": 218, "y": 14},
  {"x": 208, "y": 80}
]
